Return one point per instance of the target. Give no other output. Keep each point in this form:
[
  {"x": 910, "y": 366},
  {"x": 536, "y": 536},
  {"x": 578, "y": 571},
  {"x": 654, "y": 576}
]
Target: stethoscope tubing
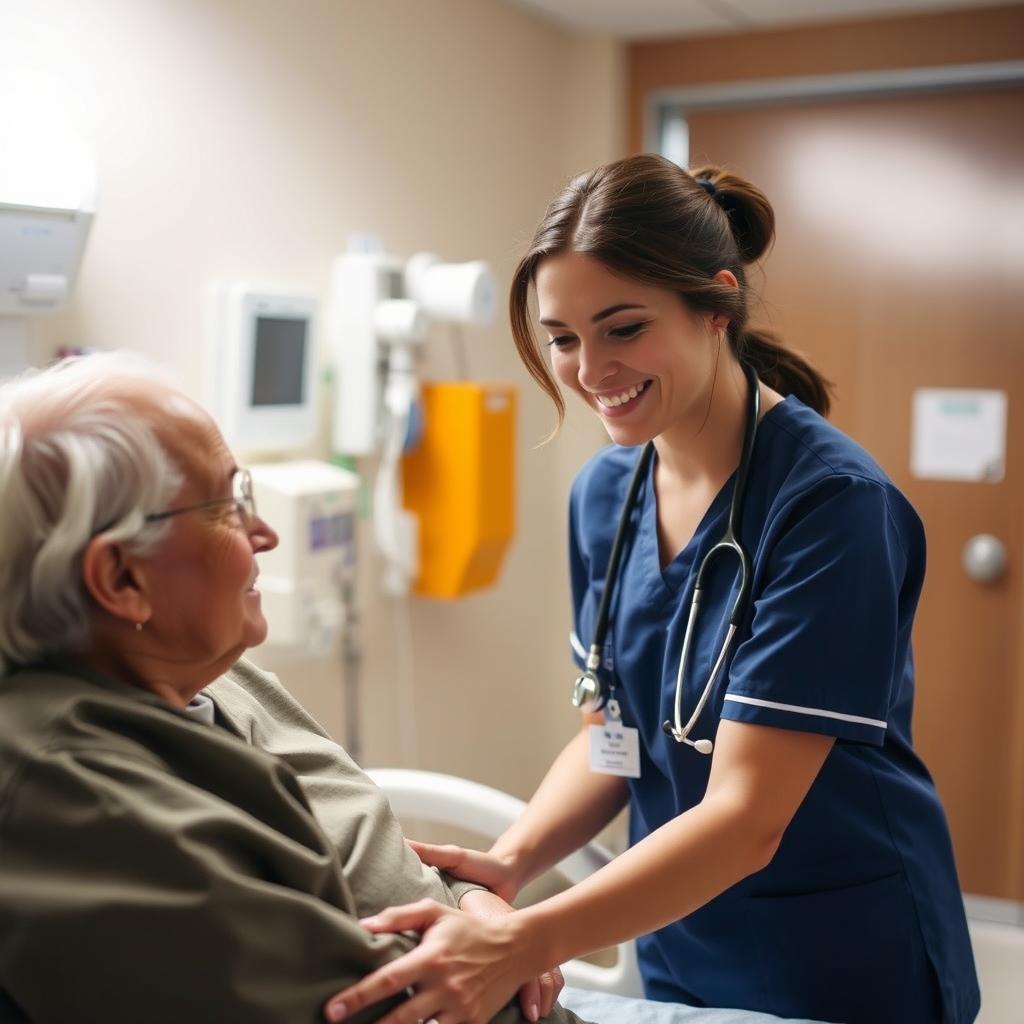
[
  {"x": 604, "y": 608},
  {"x": 588, "y": 691}
]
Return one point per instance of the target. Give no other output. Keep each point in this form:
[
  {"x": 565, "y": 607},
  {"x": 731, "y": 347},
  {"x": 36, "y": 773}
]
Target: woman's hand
[
  {"x": 464, "y": 970},
  {"x": 538, "y": 995},
  {"x": 471, "y": 866}
]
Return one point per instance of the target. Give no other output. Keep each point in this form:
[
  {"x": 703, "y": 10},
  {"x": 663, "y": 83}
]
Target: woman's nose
[{"x": 595, "y": 366}]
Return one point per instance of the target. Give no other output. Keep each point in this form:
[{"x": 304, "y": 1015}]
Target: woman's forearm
[
  {"x": 671, "y": 873},
  {"x": 759, "y": 778},
  {"x": 569, "y": 808}
]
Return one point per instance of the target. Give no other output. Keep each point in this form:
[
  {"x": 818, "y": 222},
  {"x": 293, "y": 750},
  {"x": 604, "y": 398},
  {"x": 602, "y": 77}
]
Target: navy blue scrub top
[{"x": 859, "y": 917}]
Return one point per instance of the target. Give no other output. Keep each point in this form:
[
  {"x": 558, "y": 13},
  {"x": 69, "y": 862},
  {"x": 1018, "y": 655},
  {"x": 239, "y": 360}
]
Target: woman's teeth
[{"x": 611, "y": 401}]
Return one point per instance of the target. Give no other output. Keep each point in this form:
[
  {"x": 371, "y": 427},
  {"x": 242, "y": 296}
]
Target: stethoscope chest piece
[{"x": 587, "y": 693}]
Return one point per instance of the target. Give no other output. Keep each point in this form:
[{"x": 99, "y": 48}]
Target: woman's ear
[
  {"x": 115, "y": 580},
  {"x": 720, "y": 321}
]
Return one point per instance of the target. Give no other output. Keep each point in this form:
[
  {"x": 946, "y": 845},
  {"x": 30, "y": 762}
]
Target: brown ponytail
[
  {"x": 783, "y": 369},
  {"x": 646, "y": 218}
]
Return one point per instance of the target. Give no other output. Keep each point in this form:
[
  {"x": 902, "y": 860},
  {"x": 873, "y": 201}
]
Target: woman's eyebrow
[{"x": 597, "y": 317}]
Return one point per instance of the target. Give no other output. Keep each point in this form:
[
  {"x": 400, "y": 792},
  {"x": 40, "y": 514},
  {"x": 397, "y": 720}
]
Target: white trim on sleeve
[
  {"x": 818, "y": 712},
  {"x": 577, "y": 646}
]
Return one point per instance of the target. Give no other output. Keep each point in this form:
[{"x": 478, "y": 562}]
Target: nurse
[{"x": 804, "y": 868}]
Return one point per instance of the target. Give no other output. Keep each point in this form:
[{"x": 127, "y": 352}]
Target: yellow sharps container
[{"x": 460, "y": 484}]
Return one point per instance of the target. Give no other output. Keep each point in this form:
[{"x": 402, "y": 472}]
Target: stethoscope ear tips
[{"x": 704, "y": 746}]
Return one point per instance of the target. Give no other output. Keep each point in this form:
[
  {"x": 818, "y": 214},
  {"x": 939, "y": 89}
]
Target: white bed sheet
[{"x": 602, "y": 1008}]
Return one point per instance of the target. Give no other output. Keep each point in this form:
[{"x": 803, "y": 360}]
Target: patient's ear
[{"x": 115, "y": 580}]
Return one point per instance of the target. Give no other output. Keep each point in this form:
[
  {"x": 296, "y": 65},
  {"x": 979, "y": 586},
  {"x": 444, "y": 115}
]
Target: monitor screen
[{"x": 279, "y": 361}]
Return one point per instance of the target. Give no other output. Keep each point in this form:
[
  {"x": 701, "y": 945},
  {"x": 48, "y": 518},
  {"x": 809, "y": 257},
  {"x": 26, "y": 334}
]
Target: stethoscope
[{"x": 587, "y": 692}]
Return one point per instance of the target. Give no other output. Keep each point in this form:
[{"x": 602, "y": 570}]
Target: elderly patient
[{"x": 179, "y": 841}]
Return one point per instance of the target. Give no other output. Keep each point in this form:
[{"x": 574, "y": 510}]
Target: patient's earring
[{"x": 138, "y": 627}]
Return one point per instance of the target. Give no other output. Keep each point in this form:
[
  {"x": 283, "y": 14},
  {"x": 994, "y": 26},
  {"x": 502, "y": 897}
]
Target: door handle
[{"x": 984, "y": 558}]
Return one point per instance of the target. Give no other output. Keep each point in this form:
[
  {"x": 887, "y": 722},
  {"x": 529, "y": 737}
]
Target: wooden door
[{"x": 899, "y": 264}]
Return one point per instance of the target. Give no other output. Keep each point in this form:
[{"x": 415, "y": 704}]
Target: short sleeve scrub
[{"x": 858, "y": 918}]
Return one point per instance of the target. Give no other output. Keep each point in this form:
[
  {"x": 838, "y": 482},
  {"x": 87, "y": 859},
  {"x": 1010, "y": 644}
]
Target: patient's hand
[
  {"x": 471, "y": 866},
  {"x": 538, "y": 995}
]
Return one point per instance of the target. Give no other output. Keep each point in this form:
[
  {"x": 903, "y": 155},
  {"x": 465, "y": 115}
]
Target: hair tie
[{"x": 708, "y": 185}]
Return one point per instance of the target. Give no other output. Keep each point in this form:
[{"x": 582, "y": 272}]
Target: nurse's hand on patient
[
  {"x": 538, "y": 995},
  {"x": 471, "y": 866},
  {"x": 464, "y": 970}
]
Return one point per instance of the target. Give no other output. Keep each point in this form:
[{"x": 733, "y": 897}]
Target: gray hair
[{"x": 76, "y": 459}]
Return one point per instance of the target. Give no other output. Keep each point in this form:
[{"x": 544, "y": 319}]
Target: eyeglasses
[{"x": 241, "y": 498}]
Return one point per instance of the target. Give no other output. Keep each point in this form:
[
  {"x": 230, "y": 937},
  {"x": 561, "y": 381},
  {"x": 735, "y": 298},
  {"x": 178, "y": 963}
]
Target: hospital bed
[{"x": 437, "y": 799}]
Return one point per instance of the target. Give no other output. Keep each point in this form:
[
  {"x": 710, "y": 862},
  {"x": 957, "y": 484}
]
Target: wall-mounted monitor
[{"x": 263, "y": 366}]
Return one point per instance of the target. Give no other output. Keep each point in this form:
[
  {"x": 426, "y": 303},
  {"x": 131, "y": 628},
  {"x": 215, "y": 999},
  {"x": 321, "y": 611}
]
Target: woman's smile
[{"x": 615, "y": 404}]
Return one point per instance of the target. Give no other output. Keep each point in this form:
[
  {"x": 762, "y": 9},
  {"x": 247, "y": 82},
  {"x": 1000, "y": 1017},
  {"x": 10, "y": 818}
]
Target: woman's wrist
[
  {"x": 531, "y": 942},
  {"x": 514, "y": 859}
]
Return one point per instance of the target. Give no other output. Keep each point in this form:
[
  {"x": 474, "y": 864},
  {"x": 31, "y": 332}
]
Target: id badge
[{"x": 615, "y": 749}]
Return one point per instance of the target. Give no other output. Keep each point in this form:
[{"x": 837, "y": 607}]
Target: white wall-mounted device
[
  {"x": 380, "y": 311},
  {"x": 262, "y": 366},
  {"x": 361, "y": 283},
  {"x": 312, "y": 506},
  {"x": 47, "y": 204},
  {"x": 378, "y": 305},
  {"x": 463, "y": 293}
]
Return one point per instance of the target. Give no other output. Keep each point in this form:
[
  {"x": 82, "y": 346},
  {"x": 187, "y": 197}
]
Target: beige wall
[{"x": 249, "y": 139}]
